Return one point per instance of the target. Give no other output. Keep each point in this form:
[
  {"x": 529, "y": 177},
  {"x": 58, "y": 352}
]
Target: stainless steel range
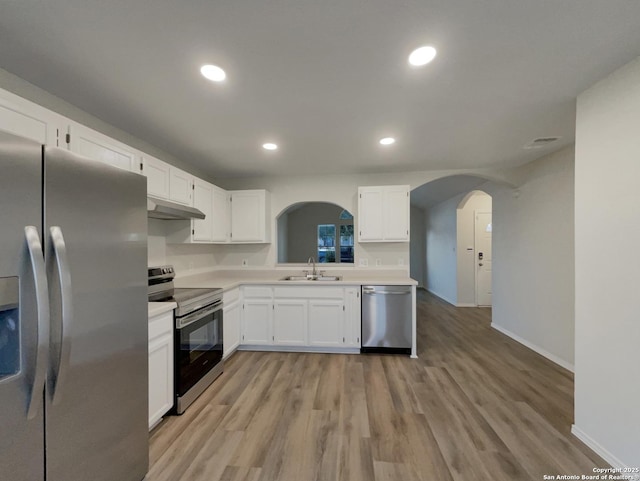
[{"x": 198, "y": 334}]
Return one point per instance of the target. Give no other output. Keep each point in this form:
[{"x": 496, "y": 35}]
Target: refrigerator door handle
[
  {"x": 34, "y": 246},
  {"x": 60, "y": 254}
]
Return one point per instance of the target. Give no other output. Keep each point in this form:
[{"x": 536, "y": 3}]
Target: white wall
[
  {"x": 607, "y": 226},
  {"x": 183, "y": 257},
  {"x": 533, "y": 282},
  {"x": 465, "y": 240},
  {"x": 418, "y": 246},
  {"x": 441, "y": 249}
]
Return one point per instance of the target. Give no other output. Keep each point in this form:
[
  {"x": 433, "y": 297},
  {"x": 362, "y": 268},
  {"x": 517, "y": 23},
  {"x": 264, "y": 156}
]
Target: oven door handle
[{"x": 189, "y": 319}]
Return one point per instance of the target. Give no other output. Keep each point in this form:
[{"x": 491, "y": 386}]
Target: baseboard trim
[
  {"x": 441, "y": 297},
  {"x": 311, "y": 349},
  {"x": 465, "y": 304},
  {"x": 597, "y": 448},
  {"x": 552, "y": 357}
]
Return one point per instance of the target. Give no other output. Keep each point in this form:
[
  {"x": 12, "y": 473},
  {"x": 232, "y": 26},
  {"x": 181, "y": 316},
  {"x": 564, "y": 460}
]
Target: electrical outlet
[
  {"x": 245, "y": 262},
  {"x": 363, "y": 262},
  {"x": 378, "y": 262},
  {"x": 400, "y": 261}
]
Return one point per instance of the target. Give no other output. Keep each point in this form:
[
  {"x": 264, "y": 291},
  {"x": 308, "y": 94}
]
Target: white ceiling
[{"x": 325, "y": 79}]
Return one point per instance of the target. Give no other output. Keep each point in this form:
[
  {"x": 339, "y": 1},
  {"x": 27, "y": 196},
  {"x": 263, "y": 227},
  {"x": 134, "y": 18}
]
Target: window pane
[
  {"x": 345, "y": 214},
  {"x": 326, "y": 243}
]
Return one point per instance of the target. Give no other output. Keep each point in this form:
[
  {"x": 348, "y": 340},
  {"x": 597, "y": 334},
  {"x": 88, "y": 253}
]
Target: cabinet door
[
  {"x": 248, "y": 216},
  {"x": 326, "y": 323},
  {"x": 256, "y": 321},
  {"x": 160, "y": 378},
  {"x": 396, "y": 206},
  {"x": 370, "y": 221},
  {"x": 160, "y": 366},
  {"x": 180, "y": 186},
  {"x": 157, "y": 173},
  {"x": 231, "y": 328},
  {"x": 97, "y": 146},
  {"x": 353, "y": 320},
  {"x": 383, "y": 213},
  {"x": 290, "y": 322},
  {"x": 220, "y": 215},
  {"x": 203, "y": 200},
  {"x": 21, "y": 117}
]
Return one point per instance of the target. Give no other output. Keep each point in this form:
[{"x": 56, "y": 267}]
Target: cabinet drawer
[
  {"x": 309, "y": 292},
  {"x": 257, "y": 291},
  {"x": 160, "y": 325}
]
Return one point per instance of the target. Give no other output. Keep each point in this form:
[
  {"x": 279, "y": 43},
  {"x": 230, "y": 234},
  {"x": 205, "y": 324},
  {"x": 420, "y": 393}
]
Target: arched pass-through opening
[
  {"x": 443, "y": 234},
  {"x": 322, "y": 230}
]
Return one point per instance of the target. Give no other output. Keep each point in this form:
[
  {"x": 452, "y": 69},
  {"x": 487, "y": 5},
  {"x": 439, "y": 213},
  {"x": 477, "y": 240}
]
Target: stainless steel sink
[{"x": 312, "y": 278}]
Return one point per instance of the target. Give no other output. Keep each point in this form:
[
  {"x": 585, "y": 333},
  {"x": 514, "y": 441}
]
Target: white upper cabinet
[
  {"x": 250, "y": 221},
  {"x": 370, "y": 222},
  {"x": 220, "y": 215},
  {"x": 26, "y": 119},
  {"x": 383, "y": 213},
  {"x": 94, "y": 145},
  {"x": 202, "y": 229},
  {"x": 180, "y": 186},
  {"x": 157, "y": 173}
]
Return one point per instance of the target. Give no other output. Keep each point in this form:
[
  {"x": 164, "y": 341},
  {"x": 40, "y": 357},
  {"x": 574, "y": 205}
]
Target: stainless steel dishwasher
[{"x": 386, "y": 319}]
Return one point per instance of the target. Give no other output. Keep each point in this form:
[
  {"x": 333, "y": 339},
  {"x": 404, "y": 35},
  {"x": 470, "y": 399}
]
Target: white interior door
[{"x": 483, "y": 230}]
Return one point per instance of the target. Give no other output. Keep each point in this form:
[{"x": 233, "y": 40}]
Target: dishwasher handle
[{"x": 370, "y": 291}]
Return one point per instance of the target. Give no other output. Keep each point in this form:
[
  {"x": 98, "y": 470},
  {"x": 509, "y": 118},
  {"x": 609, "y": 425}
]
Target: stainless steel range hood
[{"x": 167, "y": 210}]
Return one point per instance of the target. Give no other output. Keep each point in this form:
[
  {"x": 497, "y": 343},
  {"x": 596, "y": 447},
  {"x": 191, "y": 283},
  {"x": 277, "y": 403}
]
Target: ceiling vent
[{"x": 541, "y": 142}]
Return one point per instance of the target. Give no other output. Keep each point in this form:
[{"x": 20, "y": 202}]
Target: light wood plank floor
[{"x": 475, "y": 406}]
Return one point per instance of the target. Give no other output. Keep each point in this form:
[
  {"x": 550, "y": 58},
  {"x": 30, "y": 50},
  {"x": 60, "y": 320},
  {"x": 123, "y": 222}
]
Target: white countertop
[
  {"x": 157, "y": 308},
  {"x": 231, "y": 279}
]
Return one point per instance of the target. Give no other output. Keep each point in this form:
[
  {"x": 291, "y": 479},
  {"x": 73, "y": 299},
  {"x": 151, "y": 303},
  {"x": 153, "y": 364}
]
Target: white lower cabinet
[
  {"x": 305, "y": 317},
  {"x": 231, "y": 322},
  {"x": 289, "y": 322},
  {"x": 353, "y": 312},
  {"x": 160, "y": 366},
  {"x": 257, "y": 315},
  {"x": 326, "y": 322}
]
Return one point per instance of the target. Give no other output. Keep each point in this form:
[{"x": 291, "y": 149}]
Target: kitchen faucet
[{"x": 311, "y": 260}]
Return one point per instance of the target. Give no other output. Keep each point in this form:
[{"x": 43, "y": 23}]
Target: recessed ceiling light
[
  {"x": 387, "y": 141},
  {"x": 270, "y": 146},
  {"x": 213, "y": 73},
  {"x": 422, "y": 56}
]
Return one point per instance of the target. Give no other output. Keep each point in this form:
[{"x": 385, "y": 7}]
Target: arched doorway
[{"x": 447, "y": 216}]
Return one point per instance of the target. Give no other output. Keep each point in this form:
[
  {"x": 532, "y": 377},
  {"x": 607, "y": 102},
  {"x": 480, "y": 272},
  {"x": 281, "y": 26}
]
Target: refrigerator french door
[{"x": 73, "y": 317}]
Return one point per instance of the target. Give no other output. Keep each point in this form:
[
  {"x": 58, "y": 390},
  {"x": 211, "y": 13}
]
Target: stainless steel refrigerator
[{"x": 73, "y": 317}]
